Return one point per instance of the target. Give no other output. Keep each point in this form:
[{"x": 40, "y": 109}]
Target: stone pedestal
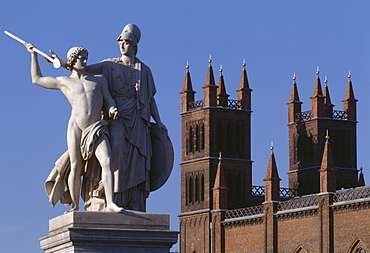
[{"x": 131, "y": 231}]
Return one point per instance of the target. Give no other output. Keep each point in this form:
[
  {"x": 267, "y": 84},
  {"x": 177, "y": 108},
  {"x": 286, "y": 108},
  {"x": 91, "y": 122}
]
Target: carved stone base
[{"x": 131, "y": 231}]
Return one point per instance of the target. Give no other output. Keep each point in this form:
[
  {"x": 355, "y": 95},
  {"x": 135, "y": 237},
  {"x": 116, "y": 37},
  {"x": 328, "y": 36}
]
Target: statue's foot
[
  {"x": 73, "y": 209},
  {"x": 114, "y": 208}
]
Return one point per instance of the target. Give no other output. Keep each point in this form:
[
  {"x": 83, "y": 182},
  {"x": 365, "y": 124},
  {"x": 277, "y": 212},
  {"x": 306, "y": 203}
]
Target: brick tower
[
  {"x": 307, "y": 131},
  {"x": 212, "y": 126}
]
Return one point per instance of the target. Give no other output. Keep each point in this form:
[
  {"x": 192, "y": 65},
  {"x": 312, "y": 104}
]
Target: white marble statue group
[{"x": 109, "y": 137}]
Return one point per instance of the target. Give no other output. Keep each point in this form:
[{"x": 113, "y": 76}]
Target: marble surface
[{"x": 82, "y": 231}]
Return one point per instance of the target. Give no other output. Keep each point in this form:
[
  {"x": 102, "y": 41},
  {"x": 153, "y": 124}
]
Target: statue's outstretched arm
[
  {"x": 109, "y": 103},
  {"x": 95, "y": 68},
  {"x": 36, "y": 75}
]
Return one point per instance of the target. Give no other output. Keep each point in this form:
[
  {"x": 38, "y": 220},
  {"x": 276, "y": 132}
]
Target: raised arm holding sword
[{"x": 87, "y": 134}]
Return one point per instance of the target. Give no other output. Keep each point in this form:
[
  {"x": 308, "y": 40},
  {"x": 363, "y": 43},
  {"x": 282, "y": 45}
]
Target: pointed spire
[
  {"x": 349, "y": 91},
  {"x": 317, "y": 99},
  {"x": 272, "y": 171},
  {"x": 294, "y": 97},
  {"x": 210, "y": 88},
  {"x": 327, "y": 162},
  {"x": 327, "y": 171},
  {"x": 272, "y": 180},
  {"x": 187, "y": 82},
  {"x": 187, "y": 93},
  {"x": 244, "y": 92},
  {"x": 317, "y": 89},
  {"x": 294, "y": 105},
  {"x": 244, "y": 84},
  {"x": 222, "y": 95},
  {"x": 361, "y": 178},
  {"x": 210, "y": 79},
  {"x": 220, "y": 180},
  {"x": 349, "y": 102},
  {"x": 327, "y": 100},
  {"x": 220, "y": 190}
]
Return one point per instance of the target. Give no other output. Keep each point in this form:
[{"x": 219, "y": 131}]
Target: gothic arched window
[
  {"x": 202, "y": 136},
  {"x": 202, "y": 187},
  {"x": 196, "y": 189},
  {"x": 191, "y": 140},
  {"x": 190, "y": 190},
  {"x": 197, "y": 138},
  {"x": 358, "y": 247},
  {"x": 360, "y": 250}
]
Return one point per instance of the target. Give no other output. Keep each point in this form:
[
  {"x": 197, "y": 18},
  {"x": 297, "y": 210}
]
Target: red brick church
[{"x": 327, "y": 205}]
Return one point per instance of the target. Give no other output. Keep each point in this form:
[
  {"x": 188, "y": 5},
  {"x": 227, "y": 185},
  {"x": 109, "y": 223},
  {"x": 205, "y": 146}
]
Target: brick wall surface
[
  {"x": 240, "y": 239},
  {"x": 350, "y": 226},
  {"x": 293, "y": 233}
]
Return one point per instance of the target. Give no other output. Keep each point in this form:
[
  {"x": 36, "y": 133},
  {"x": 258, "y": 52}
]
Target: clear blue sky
[{"x": 277, "y": 38}]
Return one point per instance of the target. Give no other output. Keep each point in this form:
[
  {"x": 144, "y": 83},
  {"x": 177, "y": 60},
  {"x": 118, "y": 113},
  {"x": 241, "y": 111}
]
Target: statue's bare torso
[{"x": 86, "y": 98}]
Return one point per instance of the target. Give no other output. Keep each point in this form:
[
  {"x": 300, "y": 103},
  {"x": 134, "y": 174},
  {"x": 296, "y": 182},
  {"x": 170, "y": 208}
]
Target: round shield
[{"x": 162, "y": 157}]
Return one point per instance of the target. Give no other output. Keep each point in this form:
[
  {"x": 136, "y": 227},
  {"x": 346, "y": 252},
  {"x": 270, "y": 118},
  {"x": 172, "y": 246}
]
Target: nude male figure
[{"x": 87, "y": 94}]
